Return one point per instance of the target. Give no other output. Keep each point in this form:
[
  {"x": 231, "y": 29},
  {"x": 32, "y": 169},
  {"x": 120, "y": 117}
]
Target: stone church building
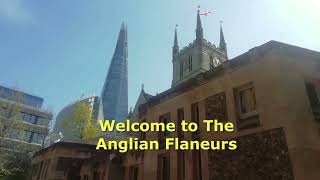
[{"x": 270, "y": 93}]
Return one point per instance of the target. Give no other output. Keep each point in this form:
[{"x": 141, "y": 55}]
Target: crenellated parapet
[{"x": 197, "y": 57}]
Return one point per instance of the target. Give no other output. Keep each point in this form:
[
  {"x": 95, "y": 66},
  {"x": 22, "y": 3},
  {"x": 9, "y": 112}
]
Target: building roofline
[
  {"x": 203, "y": 78},
  {"x": 37, "y": 111},
  {"x": 77, "y": 101},
  {"x": 22, "y": 91},
  {"x": 65, "y": 144}
]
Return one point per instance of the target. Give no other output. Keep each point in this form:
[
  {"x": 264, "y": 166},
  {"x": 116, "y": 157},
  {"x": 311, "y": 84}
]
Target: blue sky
[{"x": 61, "y": 49}]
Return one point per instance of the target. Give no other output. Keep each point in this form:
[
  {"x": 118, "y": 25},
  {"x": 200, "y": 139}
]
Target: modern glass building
[
  {"x": 23, "y": 121},
  {"x": 66, "y": 114},
  {"x": 114, "y": 96}
]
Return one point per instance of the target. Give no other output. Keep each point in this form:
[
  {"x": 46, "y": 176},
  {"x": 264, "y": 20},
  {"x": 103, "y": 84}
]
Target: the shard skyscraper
[{"x": 114, "y": 96}]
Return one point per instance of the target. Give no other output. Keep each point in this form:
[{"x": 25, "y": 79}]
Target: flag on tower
[{"x": 205, "y": 13}]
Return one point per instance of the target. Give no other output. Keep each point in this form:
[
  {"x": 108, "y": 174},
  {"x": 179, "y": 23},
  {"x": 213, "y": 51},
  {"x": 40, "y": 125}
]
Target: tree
[
  {"x": 14, "y": 166},
  {"x": 10, "y": 114},
  {"x": 13, "y": 162},
  {"x": 81, "y": 122}
]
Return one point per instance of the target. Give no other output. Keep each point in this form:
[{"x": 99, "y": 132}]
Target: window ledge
[
  {"x": 249, "y": 121},
  {"x": 248, "y": 115}
]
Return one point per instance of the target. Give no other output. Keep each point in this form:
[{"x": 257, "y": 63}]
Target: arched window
[{"x": 216, "y": 62}]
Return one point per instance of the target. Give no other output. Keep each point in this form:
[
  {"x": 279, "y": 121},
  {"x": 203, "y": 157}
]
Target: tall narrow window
[
  {"x": 195, "y": 118},
  {"x": 314, "y": 98},
  {"x": 181, "y": 159},
  {"x": 247, "y": 101},
  {"x": 180, "y": 113},
  {"x": 181, "y": 69},
  {"x": 313, "y": 94},
  {"x": 134, "y": 172},
  {"x": 197, "y": 165},
  {"x": 165, "y": 118},
  {"x": 190, "y": 63},
  {"x": 143, "y": 134},
  {"x": 247, "y": 106},
  {"x": 181, "y": 165},
  {"x": 31, "y": 137},
  {"x": 195, "y": 112},
  {"x": 164, "y": 170},
  {"x": 211, "y": 64}
]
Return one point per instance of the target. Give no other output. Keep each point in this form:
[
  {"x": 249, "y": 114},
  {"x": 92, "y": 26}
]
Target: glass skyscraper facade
[{"x": 114, "y": 97}]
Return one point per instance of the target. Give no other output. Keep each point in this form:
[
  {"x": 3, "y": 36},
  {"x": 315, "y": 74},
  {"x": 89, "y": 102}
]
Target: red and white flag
[{"x": 205, "y": 13}]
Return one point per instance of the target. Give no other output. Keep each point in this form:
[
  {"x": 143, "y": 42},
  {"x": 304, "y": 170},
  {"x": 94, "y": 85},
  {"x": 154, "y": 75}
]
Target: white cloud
[{"x": 15, "y": 11}]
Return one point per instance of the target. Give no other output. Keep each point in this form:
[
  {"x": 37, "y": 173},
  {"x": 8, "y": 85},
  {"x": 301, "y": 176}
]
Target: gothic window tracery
[{"x": 216, "y": 62}]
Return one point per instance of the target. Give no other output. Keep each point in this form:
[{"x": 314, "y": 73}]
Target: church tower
[
  {"x": 114, "y": 96},
  {"x": 199, "y": 56}
]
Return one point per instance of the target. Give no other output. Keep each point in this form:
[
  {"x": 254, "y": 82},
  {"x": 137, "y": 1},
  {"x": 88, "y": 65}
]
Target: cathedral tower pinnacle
[
  {"x": 175, "y": 48},
  {"x": 222, "y": 44},
  {"x": 199, "y": 30}
]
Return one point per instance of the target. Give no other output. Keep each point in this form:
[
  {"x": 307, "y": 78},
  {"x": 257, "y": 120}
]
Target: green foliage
[
  {"x": 90, "y": 131},
  {"x": 81, "y": 123},
  {"x": 12, "y": 116},
  {"x": 14, "y": 165}
]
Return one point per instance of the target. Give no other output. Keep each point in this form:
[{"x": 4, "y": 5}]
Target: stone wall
[{"x": 258, "y": 156}]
